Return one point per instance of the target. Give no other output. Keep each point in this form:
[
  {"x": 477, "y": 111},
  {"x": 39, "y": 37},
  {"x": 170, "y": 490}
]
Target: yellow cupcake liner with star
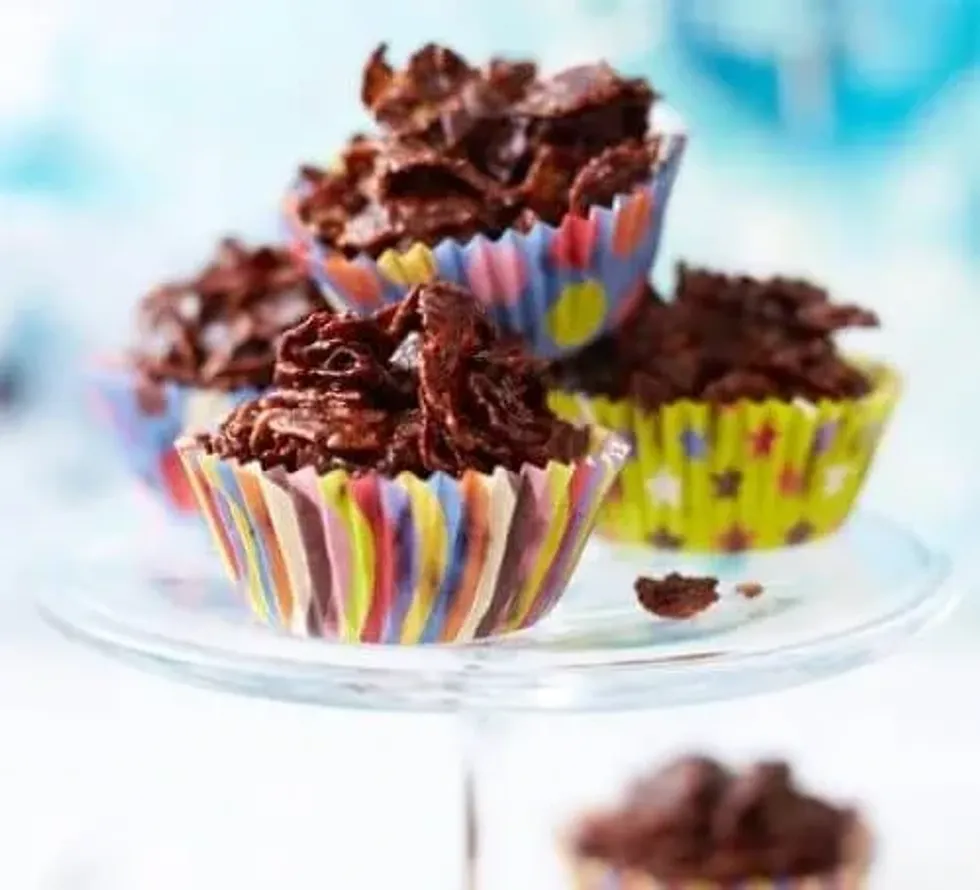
[{"x": 746, "y": 476}]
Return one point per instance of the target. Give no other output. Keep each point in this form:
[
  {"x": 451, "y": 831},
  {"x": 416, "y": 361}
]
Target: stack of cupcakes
[
  {"x": 397, "y": 425},
  {"x": 363, "y": 418},
  {"x": 546, "y": 197}
]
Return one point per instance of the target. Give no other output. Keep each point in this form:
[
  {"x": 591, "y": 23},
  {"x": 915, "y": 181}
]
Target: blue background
[{"x": 829, "y": 138}]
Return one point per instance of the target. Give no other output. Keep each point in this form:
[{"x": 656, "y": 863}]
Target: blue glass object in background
[
  {"x": 49, "y": 160},
  {"x": 830, "y": 72}
]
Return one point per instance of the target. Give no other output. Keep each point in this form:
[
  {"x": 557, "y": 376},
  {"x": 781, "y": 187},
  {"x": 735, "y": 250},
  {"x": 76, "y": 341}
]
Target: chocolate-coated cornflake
[
  {"x": 463, "y": 150},
  {"x": 422, "y": 386},
  {"x": 219, "y": 330}
]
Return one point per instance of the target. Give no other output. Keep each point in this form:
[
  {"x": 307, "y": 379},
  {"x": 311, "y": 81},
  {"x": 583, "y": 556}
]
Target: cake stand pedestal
[{"x": 826, "y": 607}]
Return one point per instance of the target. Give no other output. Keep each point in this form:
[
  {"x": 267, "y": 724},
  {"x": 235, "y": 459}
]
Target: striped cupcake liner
[
  {"x": 559, "y": 288},
  {"x": 402, "y": 560},
  {"x": 752, "y": 475},
  {"x": 145, "y": 425}
]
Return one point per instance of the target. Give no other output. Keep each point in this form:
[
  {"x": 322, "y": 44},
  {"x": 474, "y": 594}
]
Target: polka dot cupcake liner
[
  {"x": 145, "y": 423},
  {"x": 560, "y": 287},
  {"x": 752, "y": 475},
  {"x": 402, "y": 560}
]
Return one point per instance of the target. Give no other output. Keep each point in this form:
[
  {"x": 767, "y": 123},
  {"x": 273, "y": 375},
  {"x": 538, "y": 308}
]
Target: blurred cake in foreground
[{"x": 697, "y": 824}]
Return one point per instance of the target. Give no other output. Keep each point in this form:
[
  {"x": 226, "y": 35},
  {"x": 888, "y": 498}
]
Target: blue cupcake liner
[
  {"x": 146, "y": 423},
  {"x": 559, "y": 287}
]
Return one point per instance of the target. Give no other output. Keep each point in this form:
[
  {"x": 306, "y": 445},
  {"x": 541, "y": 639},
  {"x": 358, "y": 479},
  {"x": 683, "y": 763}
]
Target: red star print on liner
[
  {"x": 790, "y": 481},
  {"x": 762, "y": 440},
  {"x": 735, "y": 540}
]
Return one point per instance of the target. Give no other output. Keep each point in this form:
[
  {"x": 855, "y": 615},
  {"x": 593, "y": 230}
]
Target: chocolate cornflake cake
[
  {"x": 676, "y": 596},
  {"x": 461, "y": 150},
  {"x": 426, "y": 385},
  {"x": 723, "y": 338},
  {"x": 697, "y": 822},
  {"x": 218, "y": 330}
]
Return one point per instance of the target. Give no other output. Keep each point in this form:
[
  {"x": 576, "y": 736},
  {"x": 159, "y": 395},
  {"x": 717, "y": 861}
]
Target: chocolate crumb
[
  {"x": 677, "y": 597},
  {"x": 750, "y": 589}
]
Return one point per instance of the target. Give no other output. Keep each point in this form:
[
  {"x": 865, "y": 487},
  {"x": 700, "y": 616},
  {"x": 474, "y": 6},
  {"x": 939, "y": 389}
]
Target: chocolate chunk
[
  {"x": 750, "y": 589},
  {"x": 723, "y": 339},
  {"x": 378, "y": 77},
  {"x": 582, "y": 88},
  {"x": 499, "y": 145},
  {"x": 220, "y": 329},
  {"x": 546, "y": 187},
  {"x": 409, "y": 101},
  {"x": 588, "y": 105},
  {"x": 511, "y": 80},
  {"x": 617, "y": 171},
  {"x": 430, "y": 196},
  {"x": 418, "y": 172},
  {"x": 676, "y": 596},
  {"x": 694, "y": 820},
  {"x": 422, "y": 386}
]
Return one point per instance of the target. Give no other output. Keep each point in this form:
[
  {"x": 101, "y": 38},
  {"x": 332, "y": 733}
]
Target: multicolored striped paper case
[
  {"x": 595, "y": 875},
  {"x": 746, "y": 476},
  {"x": 146, "y": 421},
  {"x": 559, "y": 288},
  {"x": 402, "y": 560}
]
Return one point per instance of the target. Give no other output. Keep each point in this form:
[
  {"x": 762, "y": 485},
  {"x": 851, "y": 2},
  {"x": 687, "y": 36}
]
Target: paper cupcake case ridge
[
  {"x": 401, "y": 560},
  {"x": 559, "y": 287},
  {"x": 752, "y": 475},
  {"x": 145, "y": 425},
  {"x": 595, "y": 875}
]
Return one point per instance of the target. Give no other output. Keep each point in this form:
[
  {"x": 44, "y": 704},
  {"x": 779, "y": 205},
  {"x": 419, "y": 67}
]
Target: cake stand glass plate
[
  {"x": 825, "y": 607},
  {"x": 158, "y": 600}
]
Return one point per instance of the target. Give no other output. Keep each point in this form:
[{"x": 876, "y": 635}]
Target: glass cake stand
[{"x": 825, "y": 607}]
